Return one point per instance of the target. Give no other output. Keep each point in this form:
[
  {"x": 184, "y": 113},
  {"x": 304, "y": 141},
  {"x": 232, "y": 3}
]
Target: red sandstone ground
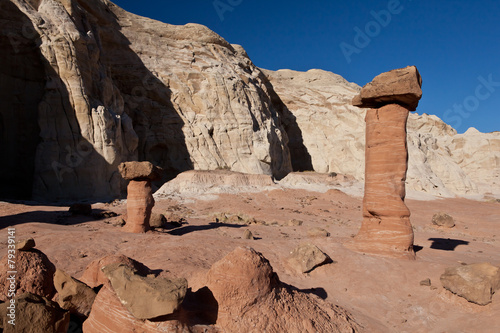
[{"x": 383, "y": 294}]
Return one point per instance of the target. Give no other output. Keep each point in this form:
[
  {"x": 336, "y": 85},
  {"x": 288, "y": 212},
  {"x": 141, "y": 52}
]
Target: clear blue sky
[{"x": 454, "y": 43}]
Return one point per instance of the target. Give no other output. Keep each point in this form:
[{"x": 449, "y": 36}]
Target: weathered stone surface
[
  {"x": 306, "y": 257},
  {"x": 139, "y": 171},
  {"x": 94, "y": 277},
  {"x": 25, "y": 244},
  {"x": 34, "y": 314},
  {"x": 95, "y": 93},
  {"x": 73, "y": 295},
  {"x": 250, "y": 295},
  {"x": 140, "y": 203},
  {"x": 145, "y": 297},
  {"x": 443, "y": 220},
  {"x": 476, "y": 282},
  {"x": 386, "y": 227},
  {"x": 332, "y": 131},
  {"x": 34, "y": 274},
  {"x": 399, "y": 86}
]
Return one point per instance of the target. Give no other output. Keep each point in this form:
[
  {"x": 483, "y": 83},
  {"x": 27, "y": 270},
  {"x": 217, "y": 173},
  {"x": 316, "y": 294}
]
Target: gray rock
[
  {"x": 476, "y": 282},
  {"x": 247, "y": 234},
  {"x": 443, "y": 220},
  {"x": 426, "y": 282},
  {"x": 306, "y": 257},
  {"x": 139, "y": 171},
  {"x": 157, "y": 220}
]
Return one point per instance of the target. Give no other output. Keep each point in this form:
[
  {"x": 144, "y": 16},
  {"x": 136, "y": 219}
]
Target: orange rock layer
[{"x": 386, "y": 227}]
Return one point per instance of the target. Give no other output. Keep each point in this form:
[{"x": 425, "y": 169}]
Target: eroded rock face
[
  {"x": 250, "y": 295},
  {"x": 90, "y": 92},
  {"x": 34, "y": 274},
  {"x": 332, "y": 138},
  {"x": 476, "y": 282},
  {"x": 386, "y": 227}
]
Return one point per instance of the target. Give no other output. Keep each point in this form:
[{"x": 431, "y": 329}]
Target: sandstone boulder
[
  {"x": 73, "y": 295},
  {"x": 34, "y": 274},
  {"x": 139, "y": 171},
  {"x": 401, "y": 86},
  {"x": 34, "y": 314},
  {"x": 476, "y": 282},
  {"x": 145, "y": 297},
  {"x": 94, "y": 277},
  {"x": 306, "y": 257},
  {"x": 157, "y": 221},
  {"x": 443, "y": 220}
]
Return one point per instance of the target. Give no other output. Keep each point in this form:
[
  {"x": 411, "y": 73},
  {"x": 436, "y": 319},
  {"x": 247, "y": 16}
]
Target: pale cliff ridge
[
  {"x": 86, "y": 85},
  {"x": 441, "y": 162}
]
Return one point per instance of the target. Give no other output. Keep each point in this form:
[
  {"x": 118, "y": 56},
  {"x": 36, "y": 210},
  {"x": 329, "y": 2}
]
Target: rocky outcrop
[
  {"x": 250, "y": 295},
  {"x": 386, "y": 227},
  {"x": 476, "y": 282},
  {"x": 441, "y": 162},
  {"x": 34, "y": 314},
  {"x": 99, "y": 86},
  {"x": 443, "y": 220},
  {"x": 34, "y": 274}
]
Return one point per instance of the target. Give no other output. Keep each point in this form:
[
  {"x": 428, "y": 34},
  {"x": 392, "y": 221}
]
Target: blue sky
[{"x": 454, "y": 44}]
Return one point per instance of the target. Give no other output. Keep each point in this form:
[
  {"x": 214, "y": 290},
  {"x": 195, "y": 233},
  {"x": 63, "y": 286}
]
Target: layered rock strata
[{"x": 386, "y": 227}]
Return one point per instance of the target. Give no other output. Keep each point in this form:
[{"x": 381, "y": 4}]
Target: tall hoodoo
[{"x": 386, "y": 227}]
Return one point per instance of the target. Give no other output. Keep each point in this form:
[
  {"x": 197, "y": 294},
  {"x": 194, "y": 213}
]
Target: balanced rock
[
  {"x": 73, "y": 295},
  {"x": 386, "y": 227},
  {"x": 139, "y": 171},
  {"x": 250, "y": 295},
  {"x": 34, "y": 314},
  {"x": 34, "y": 274},
  {"x": 25, "y": 244},
  {"x": 306, "y": 257},
  {"x": 399, "y": 86},
  {"x": 476, "y": 282},
  {"x": 145, "y": 297},
  {"x": 443, "y": 220}
]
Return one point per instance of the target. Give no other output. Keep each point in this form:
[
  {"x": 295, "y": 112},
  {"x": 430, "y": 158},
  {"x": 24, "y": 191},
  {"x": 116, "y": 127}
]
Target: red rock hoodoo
[{"x": 386, "y": 227}]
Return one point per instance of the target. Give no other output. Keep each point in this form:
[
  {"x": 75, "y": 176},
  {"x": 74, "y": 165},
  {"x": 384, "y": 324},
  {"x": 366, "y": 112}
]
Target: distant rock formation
[
  {"x": 330, "y": 135},
  {"x": 87, "y": 86},
  {"x": 386, "y": 227},
  {"x": 140, "y": 199}
]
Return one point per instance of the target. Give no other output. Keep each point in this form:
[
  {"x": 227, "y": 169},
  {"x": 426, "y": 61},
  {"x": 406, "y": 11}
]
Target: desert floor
[{"x": 383, "y": 294}]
